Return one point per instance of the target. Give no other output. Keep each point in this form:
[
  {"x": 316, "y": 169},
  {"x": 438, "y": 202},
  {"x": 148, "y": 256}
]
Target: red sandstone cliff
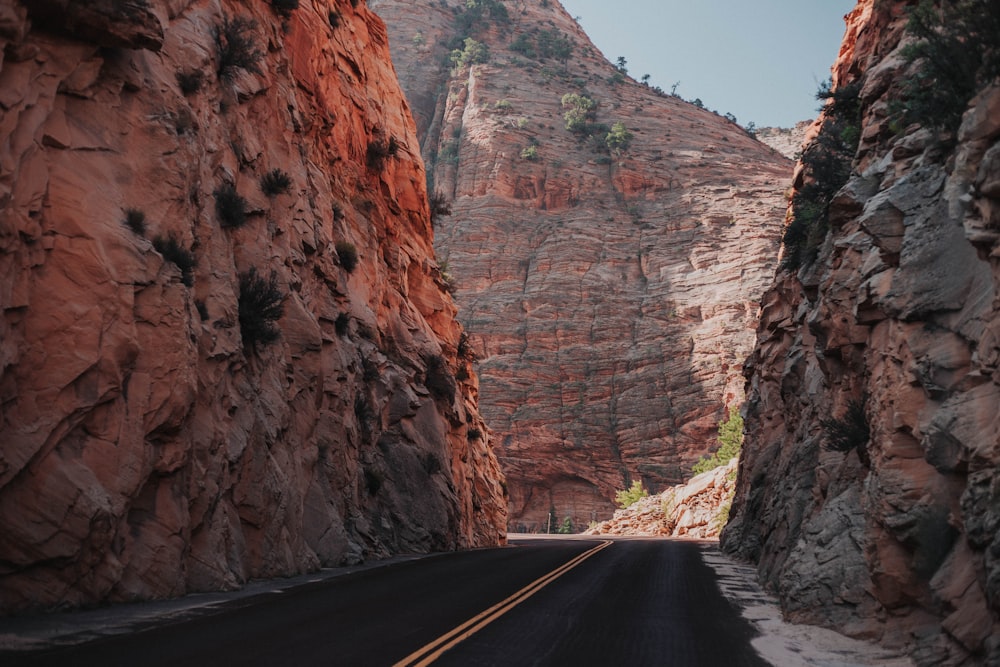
[
  {"x": 611, "y": 295},
  {"x": 897, "y": 314},
  {"x": 146, "y": 449}
]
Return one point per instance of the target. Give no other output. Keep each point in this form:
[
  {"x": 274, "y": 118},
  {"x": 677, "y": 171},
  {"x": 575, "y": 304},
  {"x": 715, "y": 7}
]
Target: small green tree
[
  {"x": 473, "y": 53},
  {"x": 730, "y": 441},
  {"x": 631, "y": 495},
  {"x": 580, "y": 112},
  {"x": 567, "y": 527},
  {"x": 618, "y": 139}
]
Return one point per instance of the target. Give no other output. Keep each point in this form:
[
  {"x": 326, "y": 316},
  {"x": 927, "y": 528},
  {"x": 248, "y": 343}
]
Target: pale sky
[{"x": 761, "y": 61}]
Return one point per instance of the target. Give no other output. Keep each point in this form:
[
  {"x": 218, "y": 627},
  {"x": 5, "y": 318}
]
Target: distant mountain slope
[{"x": 610, "y": 289}]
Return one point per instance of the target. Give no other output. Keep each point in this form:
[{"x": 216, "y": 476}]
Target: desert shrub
[
  {"x": 827, "y": 163},
  {"x": 136, "y": 221},
  {"x": 478, "y": 14},
  {"x": 285, "y": 7},
  {"x": 850, "y": 431},
  {"x": 178, "y": 255},
  {"x": 341, "y": 324},
  {"x": 438, "y": 379},
  {"x": 618, "y": 139},
  {"x": 275, "y": 182},
  {"x": 580, "y": 112},
  {"x": 439, "y": 206},
  {"x": 530, "y": 153},
  {"x": 261, "y": 304},
  {"x": 236, "y": 47},
  {"x": 471, "y": 53},
  {"x": 190, "y": 80},
  {"x": 503, "y": 106},
  {"x": 379, "y": 150},
  {"x": 730, "y": 441},
  {"x": 957, "y": 54},
  {"x": 230, "y": 206},
  {"x": 347, "y": 254},
  {"x": 465, "y": 350},
  {"x": 631, "y": 495}
]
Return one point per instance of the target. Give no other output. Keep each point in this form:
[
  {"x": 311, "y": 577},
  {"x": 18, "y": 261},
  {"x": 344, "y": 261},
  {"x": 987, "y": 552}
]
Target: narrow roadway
[{"x": 635, "y": 602}]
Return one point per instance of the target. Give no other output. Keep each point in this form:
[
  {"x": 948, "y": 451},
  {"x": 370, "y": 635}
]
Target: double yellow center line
[{"x": 433, "y": 651}]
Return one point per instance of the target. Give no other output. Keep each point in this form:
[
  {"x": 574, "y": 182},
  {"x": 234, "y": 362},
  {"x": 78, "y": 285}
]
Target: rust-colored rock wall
[
  {"x": 895, "y": 539},
  {"x": 610, "y": 296},
  {"x": 145, "y": 449}
]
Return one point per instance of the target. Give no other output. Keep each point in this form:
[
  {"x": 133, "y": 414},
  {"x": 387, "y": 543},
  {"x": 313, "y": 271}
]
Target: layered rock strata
[
  {"x": 609, "y": 286},
  {"x": 892, "y": 337},
  {"x": 149, "y": 446}
]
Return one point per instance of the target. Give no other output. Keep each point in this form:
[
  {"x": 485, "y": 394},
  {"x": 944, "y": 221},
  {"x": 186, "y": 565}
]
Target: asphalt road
[{"x": 539, "y": 602}]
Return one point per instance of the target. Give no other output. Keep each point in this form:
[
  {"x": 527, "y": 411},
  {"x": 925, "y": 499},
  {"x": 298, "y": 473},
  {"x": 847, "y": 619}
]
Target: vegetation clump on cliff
[
  {"x": 633, "y": 494},
  {"x": 261, "y": 304},
  {"x": 236, "y": 47},
  {"x": 178, "y": 255},
  {"x": 826, "y": 165},
  {"x": 730, "y": 441},
  {"x": 957, "y": 54}
]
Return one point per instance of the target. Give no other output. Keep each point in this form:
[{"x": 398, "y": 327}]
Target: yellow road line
[{"x": 433, "y": 650}]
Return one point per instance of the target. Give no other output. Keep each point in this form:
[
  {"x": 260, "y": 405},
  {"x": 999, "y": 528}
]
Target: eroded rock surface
[
  {"x": 610, "y": 293},
  {"x": 146, "y": 450},
  {"x": 897, "y": 538},
  {"x": 698, "y": 509}
]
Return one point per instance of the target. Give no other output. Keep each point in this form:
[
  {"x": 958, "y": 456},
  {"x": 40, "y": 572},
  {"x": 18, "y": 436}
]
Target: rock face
[
  {"x": 147, "y": 447},
  {"x": 787, "y": 141},
  {"x": 610, "y": 289},
  {"x": 697, "y": 509},
  {"x": 898, "y": 315}
]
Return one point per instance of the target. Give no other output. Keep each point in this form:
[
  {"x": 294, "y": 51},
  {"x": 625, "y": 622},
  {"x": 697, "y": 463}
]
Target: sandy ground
[{"x": 786, "y": 644}]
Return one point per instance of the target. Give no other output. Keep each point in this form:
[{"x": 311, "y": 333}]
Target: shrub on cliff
[
  {"x": 471, "y": 53},
  {"x": 236, "y": 47},
  {"x": 439, "y": 206},
  {"x": 380, "y": 150},
  {"x": 230, "y": 206},
  {"x": 136, "y": 221},
  {"x": 827, "y": 164},
  {"x": 438, "y": 379},
  {"x": 957, "y": 54},
  {"x": 178, "y": 255},
  {"x": 275, "y": 182},
  {"x": 261, "y": 304},
  {"x": 730, "y": 441},
  {"x": 850, "y": 431},
  {"x": 580, "y": 113},
  {"x": 347, "y": 254},
  {"x": 631, "y": 495},
  {"x": 618, "y": 139},
  {"x": 285, "y": 7}
]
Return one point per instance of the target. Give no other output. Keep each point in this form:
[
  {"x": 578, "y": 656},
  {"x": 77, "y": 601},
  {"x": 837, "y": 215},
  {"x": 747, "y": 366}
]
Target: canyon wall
[
  {"x": 610, "y": 287},
  {"x": 869, "y": 487},
  {"x": 156, "y": 437}
]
